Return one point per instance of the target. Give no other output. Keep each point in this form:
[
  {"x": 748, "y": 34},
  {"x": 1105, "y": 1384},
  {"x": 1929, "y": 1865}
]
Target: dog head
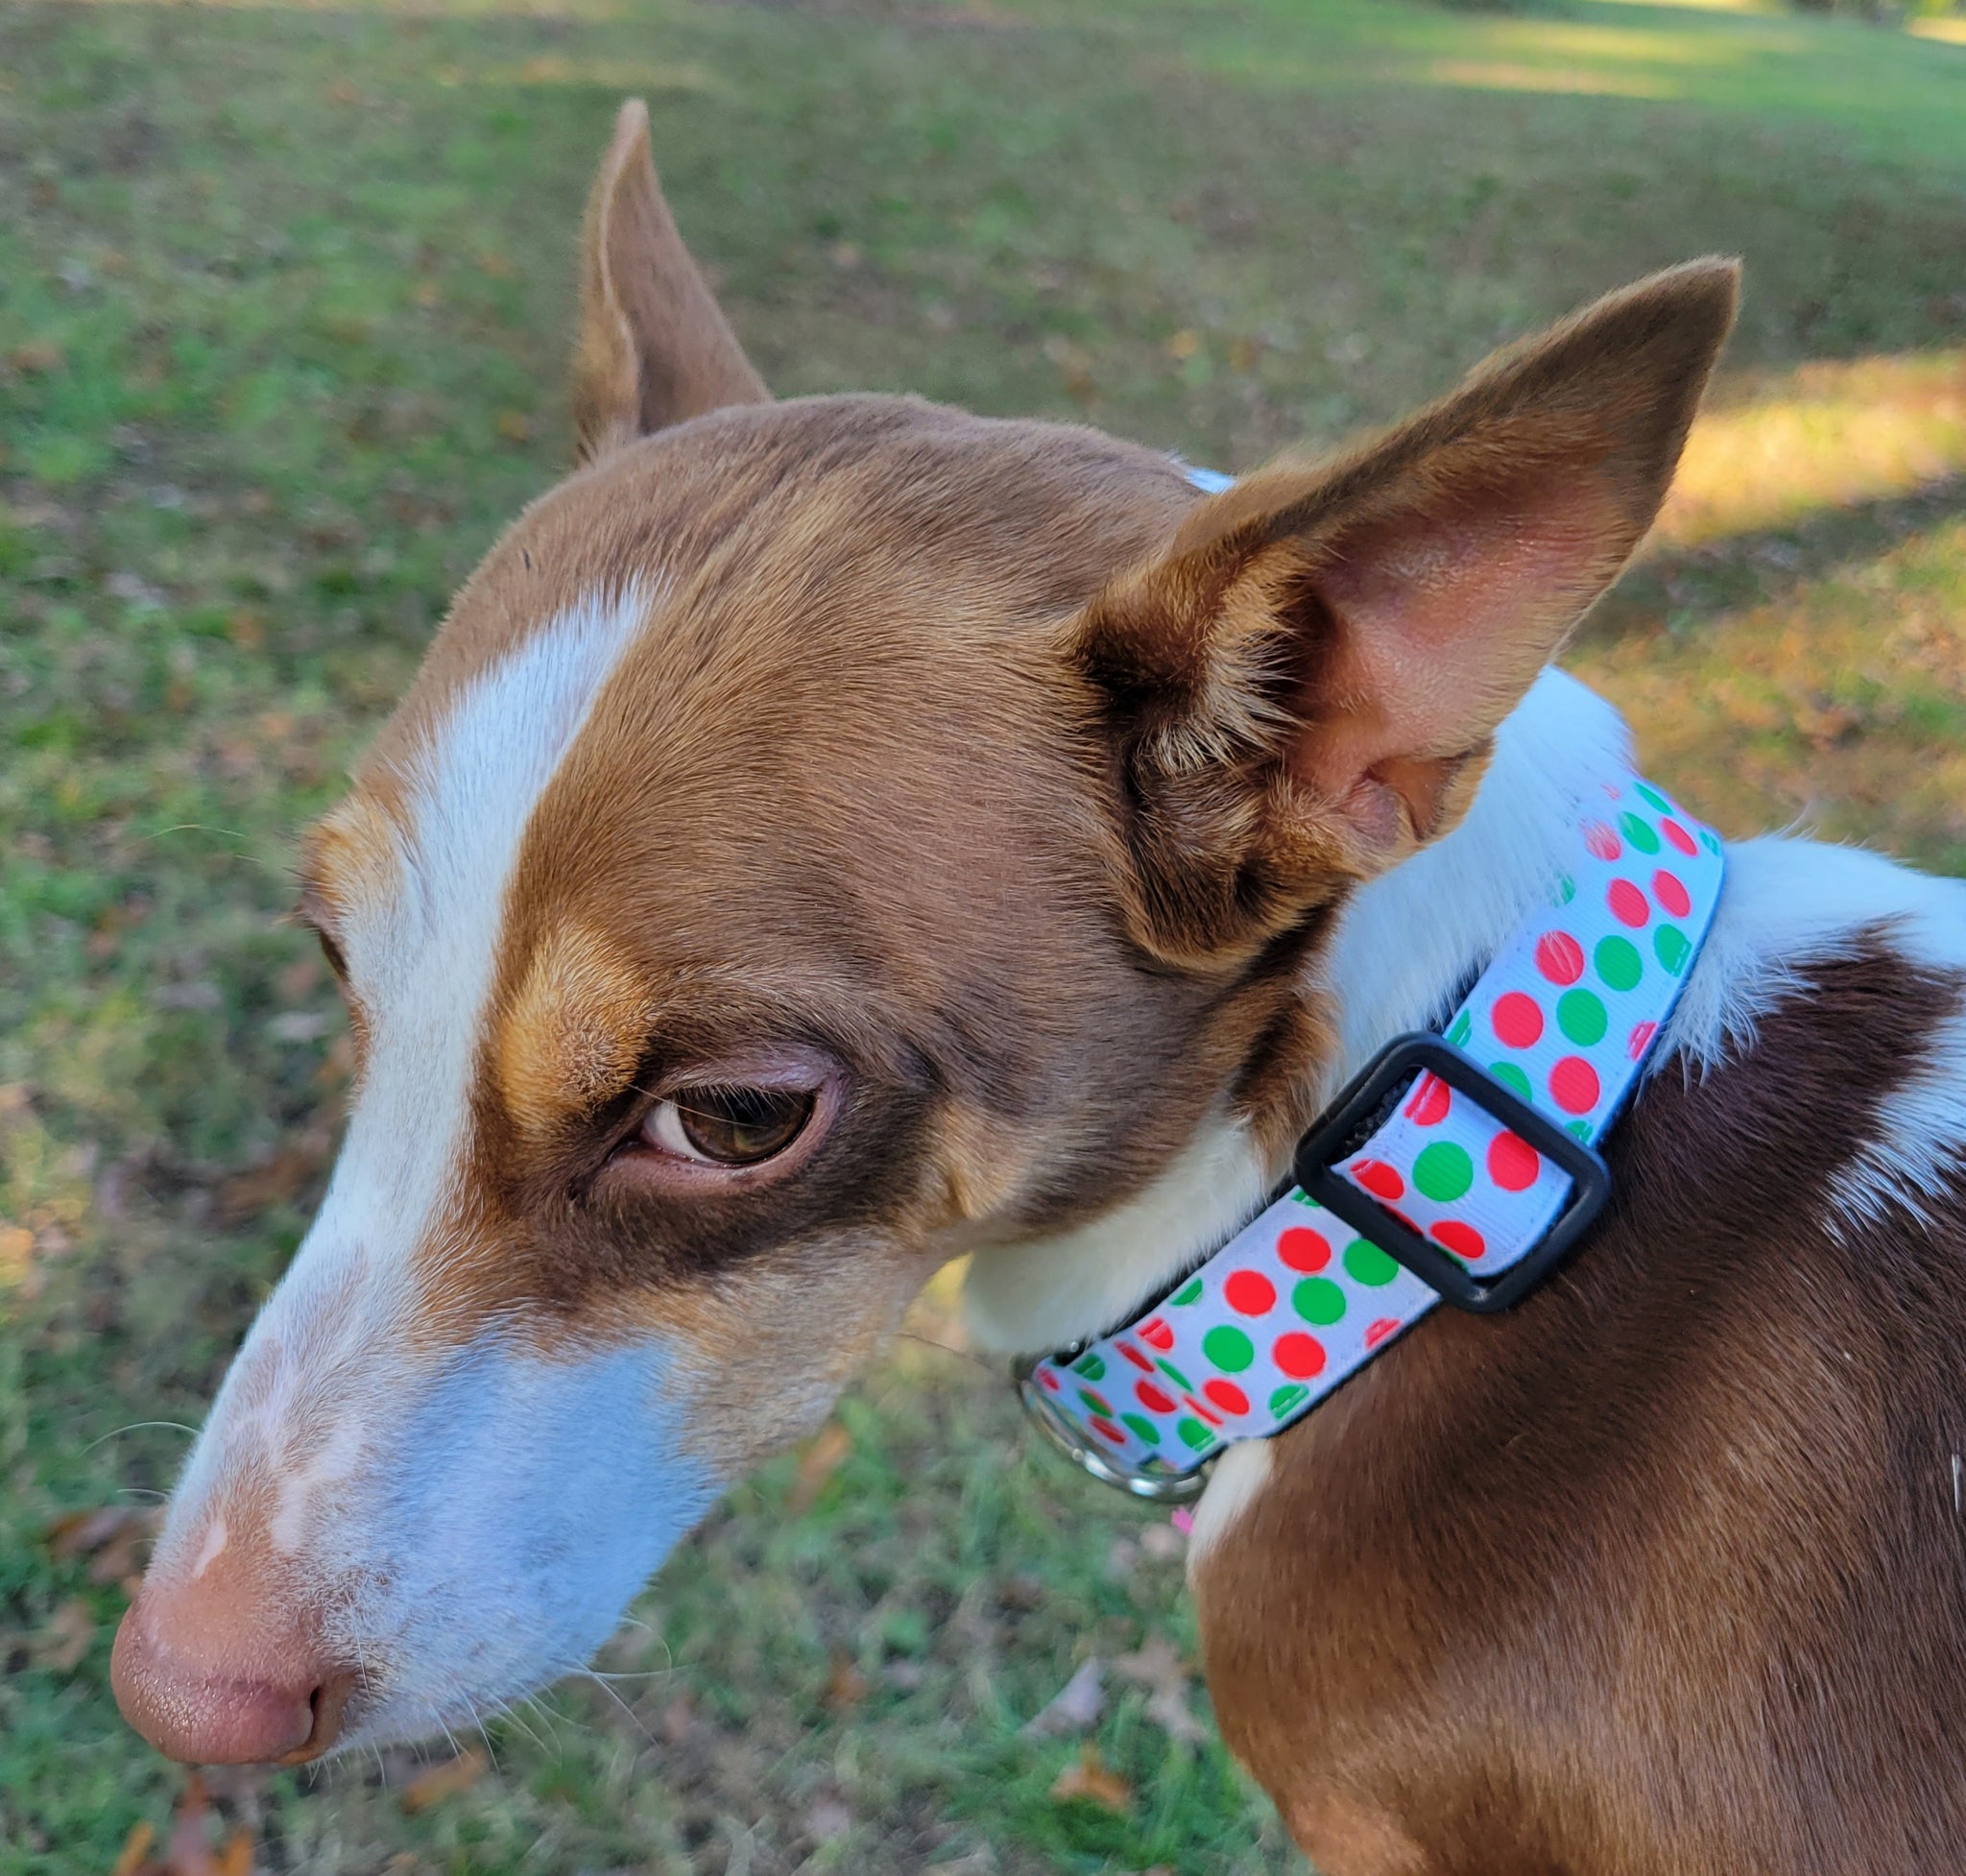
[{"x": 825, "y": 838}]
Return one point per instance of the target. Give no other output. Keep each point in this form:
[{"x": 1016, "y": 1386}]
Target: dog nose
[{"x": 209, "y": 1677}]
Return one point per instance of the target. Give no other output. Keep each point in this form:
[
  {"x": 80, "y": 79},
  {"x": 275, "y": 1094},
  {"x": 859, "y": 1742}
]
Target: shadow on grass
[{"x": 1685, "y": 587}]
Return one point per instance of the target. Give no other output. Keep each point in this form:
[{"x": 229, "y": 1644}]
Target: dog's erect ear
[
  {"x": 653, "y": 347},
  {"x": 1303, "y": 687}
]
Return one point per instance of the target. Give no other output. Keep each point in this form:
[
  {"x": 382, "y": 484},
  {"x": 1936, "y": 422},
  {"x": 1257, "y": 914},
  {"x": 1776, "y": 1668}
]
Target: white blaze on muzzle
[{"x": 470, "y": 1518}]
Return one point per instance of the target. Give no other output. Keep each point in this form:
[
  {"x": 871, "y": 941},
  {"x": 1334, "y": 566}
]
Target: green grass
[{"x": 284, "y": 295}]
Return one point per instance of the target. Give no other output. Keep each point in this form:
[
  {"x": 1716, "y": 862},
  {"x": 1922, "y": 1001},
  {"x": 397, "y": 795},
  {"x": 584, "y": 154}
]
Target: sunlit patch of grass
[
  {"x": 1580, "y": 81},
  {"x": 1941, "y": 30},
  {"x": 1840, "y": 705},
  {"x": 640, "y": 78},
  {"x": 1704, "y": 5},
  {"x": 1828, "y": 434}
]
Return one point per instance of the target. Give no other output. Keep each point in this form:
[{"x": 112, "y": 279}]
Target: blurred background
[{"x": 286, "y": 293}]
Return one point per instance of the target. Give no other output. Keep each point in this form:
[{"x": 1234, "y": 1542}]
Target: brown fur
[
  {"x": 987, "y": 766},
  {"x": 1663, "y": 1572},
  {"x": 983, "y": 759}
]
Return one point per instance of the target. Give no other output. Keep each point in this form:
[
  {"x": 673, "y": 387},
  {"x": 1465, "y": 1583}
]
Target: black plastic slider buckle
[{"x": 1338, "y": 1137}]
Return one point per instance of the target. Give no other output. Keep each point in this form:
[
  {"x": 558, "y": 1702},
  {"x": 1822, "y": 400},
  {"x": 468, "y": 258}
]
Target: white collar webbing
[{"x": 1458, "y": 1167}]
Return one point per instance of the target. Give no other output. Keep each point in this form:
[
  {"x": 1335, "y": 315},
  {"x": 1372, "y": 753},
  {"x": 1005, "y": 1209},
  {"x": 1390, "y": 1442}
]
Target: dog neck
[{"x": 1404, "y": 948}]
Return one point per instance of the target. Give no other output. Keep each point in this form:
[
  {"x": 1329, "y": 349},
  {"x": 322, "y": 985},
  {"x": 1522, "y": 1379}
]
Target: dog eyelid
[
  {"x": 311, "y": 912},
  {"x": 728, "y": 1126}
]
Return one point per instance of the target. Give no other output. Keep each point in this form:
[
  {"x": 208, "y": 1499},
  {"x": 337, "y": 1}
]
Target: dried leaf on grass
[
  {"x": 846, "y": 1686},
  {"x": 1159, "y": 1666},
  {"x": 66, "y": 1638},
  {"x": 1075, "y": 1706},
  {"x": 678, "y": 1719},
  {"x": 187, "y": 1850},
  {"x": 435, "y": 1783},
  {"x": 136, "y": 1850},
  {"x": 1090, "y": 1779},
  {"x": 818, "y": 1463},
  {"x": 275, "y": 1181},
  {"x": 109, "y": 1536}
]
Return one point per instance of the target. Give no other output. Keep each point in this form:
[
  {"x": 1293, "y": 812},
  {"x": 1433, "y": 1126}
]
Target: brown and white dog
[{"x": 828, "y": 837}]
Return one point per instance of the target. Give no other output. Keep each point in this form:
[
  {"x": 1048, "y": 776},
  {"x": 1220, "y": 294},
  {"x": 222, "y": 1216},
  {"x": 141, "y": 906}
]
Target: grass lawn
[{"x": 284, "y": 295}]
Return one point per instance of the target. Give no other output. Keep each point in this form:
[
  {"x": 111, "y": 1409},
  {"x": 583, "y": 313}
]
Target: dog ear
[
  {"x": 1304, "y": 686},
  {"x": 653, "y": 347}
]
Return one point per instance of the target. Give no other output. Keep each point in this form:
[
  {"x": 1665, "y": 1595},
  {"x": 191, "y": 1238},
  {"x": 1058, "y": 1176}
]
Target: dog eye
[{"x": 728, "y": 1126}]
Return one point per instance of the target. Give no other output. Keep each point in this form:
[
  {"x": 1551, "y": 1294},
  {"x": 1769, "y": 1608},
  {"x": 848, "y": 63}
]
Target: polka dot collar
[{"x": 1563, "y": 1018}]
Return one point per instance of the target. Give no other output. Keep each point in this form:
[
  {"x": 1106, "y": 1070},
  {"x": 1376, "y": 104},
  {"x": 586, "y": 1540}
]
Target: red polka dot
[
  {"x": 1250, "y": 1294},
  {"x": 1380, "y": 1179},
  {"x": 1601, "y": 841},
  {"x": 1518, "y": 1020},
  {"x": 1302, "y": 1250},
  {"x": 1679, "y": 836},
  {"x": 1559, "y": 957},
  {"x": 1214, "y": 1419},
  {"x": 1385, "y": 1325},
  {"x": 1152, "y": 1398},
  {"x": 1156, "y": 1335},
  {"x": 1394, "y": 1212},
  {"x": 1464, "y": 1241},
  {"x": 1431, "y": 1098},
  {"x": 1640, "y": 1039},
  {"x": 1050, "y": 1380},
  {"x": 1108, "y": 1431},
  {"x": 1300, "y": 1356},
  {"x": 1573, "y": 1085},
  {"x": 1227, "y": 1396},
  {"x": 1627, "y": 903},
  {"x": 1667, "y": 890},
  {"x": 1134, "y": 1356},
  {"x": 1513, "y": 1163}
]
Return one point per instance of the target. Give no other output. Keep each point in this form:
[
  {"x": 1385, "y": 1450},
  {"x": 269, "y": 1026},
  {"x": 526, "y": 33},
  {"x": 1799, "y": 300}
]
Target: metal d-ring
[{"x": 1158, "y": 1482}]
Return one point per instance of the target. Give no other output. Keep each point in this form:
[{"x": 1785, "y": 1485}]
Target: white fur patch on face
[
  {"x": 513, "y": 1514},
  {"x": 476, "y": 1522}
]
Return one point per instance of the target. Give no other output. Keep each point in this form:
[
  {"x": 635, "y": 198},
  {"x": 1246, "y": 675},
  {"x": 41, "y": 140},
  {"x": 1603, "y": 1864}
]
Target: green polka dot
[
  {"x": 1090, "y": 1366},
  {"x": 1229, "y": 1349},
  {"x": 1464, "y": 1028},
  {"x": 1187, "y": 1294},
  {"x": 1581, "y": 1017},
  {"x": 1303, "y": 1197},
  {"x": 1141, "y": 1428},
  {"x": 1654, "y": 798},
  {"x": 1512, "y": 1079},
  {"x": 1673, "y": 948},
  {"x": 1194, "y": 1433},
  {"x": 1443, "y": 1171},
  {"x": 1581, "y": 1129},
  {"x": 1640, "y": 831},
  {"x": 1174, "y": 1374},
  {"x": 1366, "y": 1263},
  {"x": 1099, "y": 1402},
  {"x": 1619, "y": 964},
  {"x": 1287, "y": 1397},
  {"x": 1710, "y": 840},
  {"x": 1566, "y": 890},
  {"x": 1318, "y": 1300}
]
